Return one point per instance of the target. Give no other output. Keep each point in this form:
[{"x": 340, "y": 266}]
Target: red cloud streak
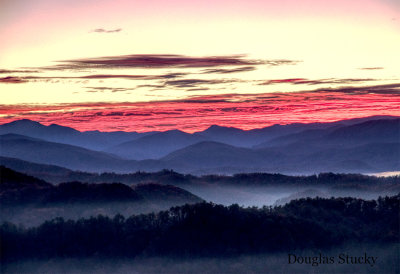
[{"x": 198, "y": 113}]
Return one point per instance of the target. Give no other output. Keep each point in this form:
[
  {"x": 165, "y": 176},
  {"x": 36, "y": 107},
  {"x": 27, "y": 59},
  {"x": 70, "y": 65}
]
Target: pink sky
[
  {"x": 138, "y": 65},
  {"x": 196, "y": 114}
]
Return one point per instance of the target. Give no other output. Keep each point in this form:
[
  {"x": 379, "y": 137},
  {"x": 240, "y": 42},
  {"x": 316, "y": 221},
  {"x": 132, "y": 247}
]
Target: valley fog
[
  {"x": 275, "y": 195},
  {"x": 261, "y": 263},
  {"x": 33, "y": 215}
]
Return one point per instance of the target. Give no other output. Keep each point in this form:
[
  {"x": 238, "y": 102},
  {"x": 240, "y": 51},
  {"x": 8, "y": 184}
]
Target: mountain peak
[
  {"x": 39, "y": 130},
  {"x": 23, "y": 122},
  {"x": 217, "y": 128}
]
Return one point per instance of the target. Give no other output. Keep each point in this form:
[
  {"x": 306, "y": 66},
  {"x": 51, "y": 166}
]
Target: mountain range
[
  {"x": 94, "y": 140},
  {"x": 365, "y": 145}
]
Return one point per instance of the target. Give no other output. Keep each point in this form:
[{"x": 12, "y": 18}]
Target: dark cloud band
[{"x": 168, "y": 61}]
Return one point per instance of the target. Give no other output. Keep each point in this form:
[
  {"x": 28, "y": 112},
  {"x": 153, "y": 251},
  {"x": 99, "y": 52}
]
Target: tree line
[{"x": 207, "y": 229}]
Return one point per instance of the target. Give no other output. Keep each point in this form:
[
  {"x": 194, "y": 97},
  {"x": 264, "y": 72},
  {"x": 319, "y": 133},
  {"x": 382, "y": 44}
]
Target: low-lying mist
[
  {"x": 30, "y": 216},
  {"x": 260, "y": 196},
  {"x": 33, "y": 215},
  {"x": 387, "y": 262}
]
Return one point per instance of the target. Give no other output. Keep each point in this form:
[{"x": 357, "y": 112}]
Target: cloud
[
  {"x": 226, "y": 71},
  {"x": 3, "y": 71},
  {"x": 220, "y": 98},
  {"x": 193, "y": 83},
  {"x": 280, "y": 81},
  {"x": 167, "y": 61},
  {"x": 209, "y": 65},
  {"x": 12, "y": 80},
  {"x": 106, "y": 31},
  {"x": 297, "y": 81},
  {"x": 153, "y": 86},
  {"x": 371, "y": 68},
  {"x": 107, "y": 76},
  {"x": 197, "y": 89},
  {"x": 391, "y": 89},
  {"x": 173, "y": 75},
  {"x": 164, "y": 80},
  {"x": 106, "y": 89},
  {"x": 281, "y": 62},
  {"x": 92, "y": 76}
]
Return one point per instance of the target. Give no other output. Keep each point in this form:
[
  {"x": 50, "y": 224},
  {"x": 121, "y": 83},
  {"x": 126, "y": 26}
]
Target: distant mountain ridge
[
  {"x": 360, "y": 145},
  {"x": 106, "y": 141},
  {"x": 94, "y": 140},
  {"x": 40, "y": 151},
  {"x": 381, "y": 130},
  {"x": 155, "y": 145}
]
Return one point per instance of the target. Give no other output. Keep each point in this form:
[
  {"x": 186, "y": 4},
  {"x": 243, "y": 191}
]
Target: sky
[{"x": 160, "y": 65}]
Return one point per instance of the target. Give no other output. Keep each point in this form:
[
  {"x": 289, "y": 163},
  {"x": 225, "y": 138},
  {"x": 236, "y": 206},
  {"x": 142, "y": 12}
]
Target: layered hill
[
  {"x": 28, "y": 200},
  {"x": 44, "y": 152},
  {"x": 16, "y": 184},
  {"x": 156, "y": 145},
  {"x": 363, "y": 146},
  {"x": 94, "y": 140}
]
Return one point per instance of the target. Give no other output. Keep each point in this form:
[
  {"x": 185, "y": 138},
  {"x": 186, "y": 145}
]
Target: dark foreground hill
[
  {"x": 57, "y": 175},
  {"x": 165, "y": 193},
  {"x": 206, "y": 229},
  {"x": 31, "y": 201},
  {"x": 12, "y": 180},
  {"x": 18, "y": 189}
]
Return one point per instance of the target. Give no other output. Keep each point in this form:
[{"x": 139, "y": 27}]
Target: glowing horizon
[
  {"x": 320, "y": 61},
  {"x": 198, "y": 113}
]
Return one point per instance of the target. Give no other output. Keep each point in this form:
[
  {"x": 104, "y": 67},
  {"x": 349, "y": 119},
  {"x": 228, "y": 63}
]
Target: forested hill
[
  {"x": 170, "y": 177},
  {"x": 17, "y": 189},
  {"x": 10, "y": 179},
  {"x": 207, "y": 229},
  {"x": 56, "y": 174}
]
